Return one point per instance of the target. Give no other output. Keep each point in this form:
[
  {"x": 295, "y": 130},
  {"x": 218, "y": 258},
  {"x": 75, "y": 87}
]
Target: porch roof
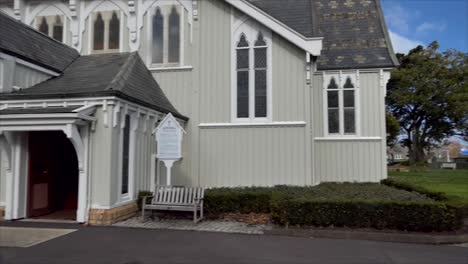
[
  {"x": 122, "y": 75},
  {"x": 37, "y": 110}
]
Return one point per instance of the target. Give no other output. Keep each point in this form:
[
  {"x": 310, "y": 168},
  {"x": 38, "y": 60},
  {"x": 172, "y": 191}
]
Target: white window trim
[
  {"x": 340, "y": 78},
  {"x": 91, "y": 17},
  {"x": 165, "y": 7},
  {"x": 130, "y": 195},
  {"x": 250, "y": 29}
]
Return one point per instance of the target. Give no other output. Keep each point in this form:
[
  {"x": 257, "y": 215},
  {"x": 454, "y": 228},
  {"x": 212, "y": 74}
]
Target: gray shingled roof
[
  {"x": 117, "y": 74},
  {"x": 24, "y": 42},
  {"x": 354, "y": 31}
]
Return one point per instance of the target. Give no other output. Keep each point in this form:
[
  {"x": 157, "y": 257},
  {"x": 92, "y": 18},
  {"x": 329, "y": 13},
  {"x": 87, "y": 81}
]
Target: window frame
[
  {"x": 37, "y": 21},
  {"x": 91, "y": 19},
  {"x": 130, "y": 195},
  {"x": 251, "y": 29},
  {"x": 340, "y": 78},
  {"x": 166, "y": 9}
]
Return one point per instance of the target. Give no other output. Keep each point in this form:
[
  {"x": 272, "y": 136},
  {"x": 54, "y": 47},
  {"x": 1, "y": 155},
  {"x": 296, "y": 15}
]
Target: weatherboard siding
[
  {"x": 362, "y": 158},
  {"x": 349, "y": 161},
  {"x": 252, "y": 156},
  {"x": 25, "y": 77}
]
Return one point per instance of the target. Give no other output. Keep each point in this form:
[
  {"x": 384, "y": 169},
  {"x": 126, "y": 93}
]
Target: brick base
[
  {"x": 2, "y": 213},
  {"x": 110, "y": 216}
]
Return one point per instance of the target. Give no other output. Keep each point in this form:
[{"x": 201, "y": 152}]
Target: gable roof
[
  {"x": 354, "y": 32},
  {"x": 24, "y": 42},
  {"x": 118, "y": 74}
]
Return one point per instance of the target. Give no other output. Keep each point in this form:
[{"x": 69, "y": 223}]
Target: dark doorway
[{"x": 53, "y": 176}]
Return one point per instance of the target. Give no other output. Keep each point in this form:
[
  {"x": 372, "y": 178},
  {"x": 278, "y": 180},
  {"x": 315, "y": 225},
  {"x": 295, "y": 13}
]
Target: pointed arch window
[
  {"x": 252, "y": 85},
  {"x": 58, "y": 29},
  {"x": 43, "y": 27},
  {"x": 106, "y": 31},
  {"x": 243, "y": 78},
  {"x": 341, "y": 106},
  {"x": 52, "y": 25},
  {"x": 260, "y": 51},
  {"x": 114, "y": 31},
  {"x": 174, "y": 36},
  {"x": 158, "y": 37},
  {"x": 166, "y": 35},
  {"x": 98, "y": 43}
]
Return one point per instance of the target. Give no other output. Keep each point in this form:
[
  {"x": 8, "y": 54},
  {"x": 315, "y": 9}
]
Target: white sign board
[{"x": 169, "y": 136}]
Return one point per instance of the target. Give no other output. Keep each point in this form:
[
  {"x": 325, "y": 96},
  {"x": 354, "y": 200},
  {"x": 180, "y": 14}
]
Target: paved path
[
  {"x": 206, "y": 225},
  {"x": 116, "y": 245}
]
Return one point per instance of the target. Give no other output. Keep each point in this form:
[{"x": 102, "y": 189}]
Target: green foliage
[
  {"x": 411, "y": 216},
  {"x": 338, "y": 204},
  {"x": 142, "y": 194},
  {"x": 428, "y": 94},
  {"x": 393, "y": 129},
  {"x": 237, "y": 200}
]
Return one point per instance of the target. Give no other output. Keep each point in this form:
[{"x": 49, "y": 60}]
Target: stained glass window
[
  {"x": 158, "y": 37},
  {"x": 174, "y": 36},
  {"x": 98, "y": 40},
  {"x": 114, "y": 32},
  {"x": 57, "y": 33},
  {"x": 43, "y": 27}
]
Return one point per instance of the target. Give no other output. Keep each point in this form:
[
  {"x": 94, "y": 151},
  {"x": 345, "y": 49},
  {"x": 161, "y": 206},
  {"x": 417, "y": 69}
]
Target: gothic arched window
[
  {"x": 43, "y": 27},
  {"x": 158, "y": 37},
  {"x": 174, "y": 36},
  {"x": 242, "y": 77},
  {"x": 341, "y": 106},
  {"x": 98, "y": 33},
  {"x": 260, "y": 76},
  {"x": 114, "y": 32},
  {"x": 58, "y": 29}
]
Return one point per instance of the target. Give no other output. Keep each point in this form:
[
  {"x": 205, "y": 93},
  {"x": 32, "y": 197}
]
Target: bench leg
[
  {"x": 143, "y": 213},
  {"x": 195, "y": 215}
]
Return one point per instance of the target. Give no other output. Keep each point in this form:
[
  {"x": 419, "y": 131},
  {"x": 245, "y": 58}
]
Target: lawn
[{"x": 454, "y": 183}]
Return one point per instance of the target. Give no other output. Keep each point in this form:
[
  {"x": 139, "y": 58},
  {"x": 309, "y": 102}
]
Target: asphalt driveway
[{"x": 115, "y": 245}]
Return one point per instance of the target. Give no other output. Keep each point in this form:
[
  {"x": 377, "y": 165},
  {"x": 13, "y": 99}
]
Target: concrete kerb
[{"x": 414, "y": 238}]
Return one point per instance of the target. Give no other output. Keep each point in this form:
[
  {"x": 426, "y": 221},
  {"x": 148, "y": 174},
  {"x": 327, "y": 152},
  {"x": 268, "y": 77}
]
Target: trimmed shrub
[
  {"x": 411, "y": 216},
  {"x": 142, "y": 194},
  {"x": 238, "y": 200},
  {"x": 366, "y": 205},
  {"x": 438, "y": 196}
]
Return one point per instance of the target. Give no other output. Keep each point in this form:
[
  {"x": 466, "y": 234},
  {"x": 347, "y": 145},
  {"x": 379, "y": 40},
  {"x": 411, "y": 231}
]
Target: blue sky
[{"x": 415, "y": 22}]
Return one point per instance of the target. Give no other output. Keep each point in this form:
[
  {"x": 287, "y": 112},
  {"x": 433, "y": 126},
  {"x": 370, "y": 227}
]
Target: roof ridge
[
  {"x": 120, "y": 78},
  {"x": 30, "y": 28}
]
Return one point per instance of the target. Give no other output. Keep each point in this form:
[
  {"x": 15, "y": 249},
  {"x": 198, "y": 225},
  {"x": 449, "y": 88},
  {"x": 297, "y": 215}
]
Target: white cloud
[
  {"x": 402, "y": 44},
  {"x": 398, "y": 18},
  {"x": 427, "y": 26}
]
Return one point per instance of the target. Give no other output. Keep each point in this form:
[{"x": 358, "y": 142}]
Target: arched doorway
[{"x": 53, "y": 176}]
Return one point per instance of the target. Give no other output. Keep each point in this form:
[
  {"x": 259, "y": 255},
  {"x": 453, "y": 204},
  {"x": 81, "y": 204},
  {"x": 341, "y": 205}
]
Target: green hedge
[
  {"x": 411, "y": 216},
  {"x": 237, "y": 200},
  {"x": 350, "y": 205}
]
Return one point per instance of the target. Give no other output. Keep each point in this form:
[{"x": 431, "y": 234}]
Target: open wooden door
[{"x": 40, "y": 178}]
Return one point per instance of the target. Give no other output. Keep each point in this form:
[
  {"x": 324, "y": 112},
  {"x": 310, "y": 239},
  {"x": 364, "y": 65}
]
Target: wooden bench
[
  {"x": 449, "y": 165},
  {"x": 176, "y": 199}
]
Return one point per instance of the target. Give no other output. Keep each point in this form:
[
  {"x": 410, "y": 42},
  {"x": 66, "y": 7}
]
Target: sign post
[{"x": 169, "y": 134}]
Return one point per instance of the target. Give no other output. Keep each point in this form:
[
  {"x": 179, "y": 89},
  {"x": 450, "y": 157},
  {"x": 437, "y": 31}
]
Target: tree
[
  {"x": 428, "y": 94},
  {"x": 393, "y": 129}
]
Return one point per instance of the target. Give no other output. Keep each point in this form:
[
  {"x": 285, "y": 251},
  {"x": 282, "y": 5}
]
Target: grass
[{"x": 453, "y": 183}]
